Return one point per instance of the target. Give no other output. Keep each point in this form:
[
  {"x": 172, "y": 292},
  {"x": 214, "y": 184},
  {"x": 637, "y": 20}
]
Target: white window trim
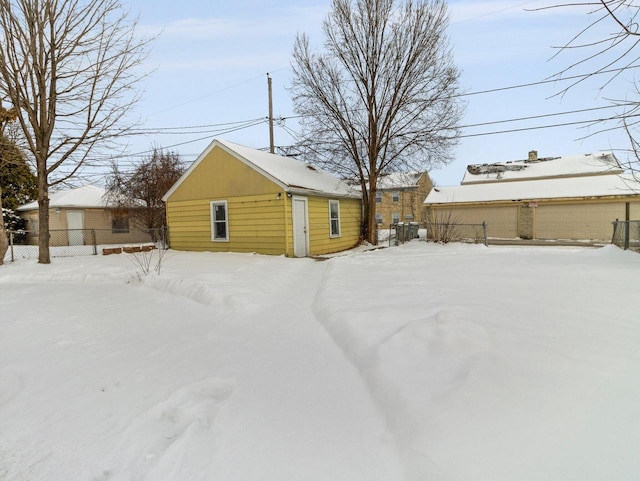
[
  {"x": 395, "y": 196},
  {"x": 212, "y": 204},
  {"x": 331, "y": 234}
]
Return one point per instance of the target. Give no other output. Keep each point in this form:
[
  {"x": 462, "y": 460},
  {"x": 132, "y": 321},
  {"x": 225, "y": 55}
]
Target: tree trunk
[
  {"x": 4, "y": 241},
  {"x": 372, "y": 225},
  {"x": 43, "y": 221}
]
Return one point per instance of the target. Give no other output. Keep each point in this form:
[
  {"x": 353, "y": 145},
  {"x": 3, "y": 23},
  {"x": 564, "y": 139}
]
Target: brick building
[{"x": 400, "y": 197}]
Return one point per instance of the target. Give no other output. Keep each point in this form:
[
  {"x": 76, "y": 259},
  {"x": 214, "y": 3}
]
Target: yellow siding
[
  {"x": 222, "y": 175},
  {"x": 256, "y": 224},
  {"x": 320, "y": 241},
  {"x": 259, "y": 212}
]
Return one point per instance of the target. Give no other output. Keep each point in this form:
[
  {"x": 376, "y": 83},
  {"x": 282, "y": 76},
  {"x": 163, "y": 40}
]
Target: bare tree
[
  {"x": 140, "y": 190},
  {"x": 610, "y": 53},
  {"x": 382, "y": 96},
  {"x": 607, "y": 48},
  {"x": 69, "y": 67}
]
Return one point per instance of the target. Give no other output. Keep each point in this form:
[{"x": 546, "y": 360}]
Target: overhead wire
[{"x": 249, "y": 123}]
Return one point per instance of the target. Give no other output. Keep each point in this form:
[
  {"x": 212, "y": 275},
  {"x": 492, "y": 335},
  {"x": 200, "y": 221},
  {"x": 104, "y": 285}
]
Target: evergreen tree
[{"x": 18, "y": 184}]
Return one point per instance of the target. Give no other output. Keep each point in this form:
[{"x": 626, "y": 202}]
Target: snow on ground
[{"x": 456, "y": 362}]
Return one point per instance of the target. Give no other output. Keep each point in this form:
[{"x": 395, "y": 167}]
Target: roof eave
[
  {"x": 533, "y": 199},
  {"x": 295, "y": 190}
]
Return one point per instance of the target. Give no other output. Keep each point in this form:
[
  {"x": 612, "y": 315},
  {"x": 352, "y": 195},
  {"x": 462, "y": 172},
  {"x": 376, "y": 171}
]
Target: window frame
[
  {"x": 395, "y": 217},
  {"x": 395, "y": 196},
  {"x": 378, "y": 197},
  {"x": 120, "y": 217},
  {"x": 212, "y": 205},
  {"x": 336, "y": 219},
  {"x": 378, "y": 218}
]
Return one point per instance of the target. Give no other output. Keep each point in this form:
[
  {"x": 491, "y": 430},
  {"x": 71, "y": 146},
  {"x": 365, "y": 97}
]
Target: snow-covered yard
[{"x": 421, "y": 362}]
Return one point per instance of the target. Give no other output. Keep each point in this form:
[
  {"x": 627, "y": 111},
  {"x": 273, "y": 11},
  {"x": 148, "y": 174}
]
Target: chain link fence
[
  {"x": 453, "y": 231},
  {"x": 626, "y": 234},
  {"x": 23, "y": 244}
]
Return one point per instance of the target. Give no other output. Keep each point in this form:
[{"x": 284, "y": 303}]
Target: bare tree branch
[
  {"x": 382, "y": 96},
  {"x": 615, "y": 53},
  {"x": 140, "y": 190},
  {"x": 70, "y": 69}
]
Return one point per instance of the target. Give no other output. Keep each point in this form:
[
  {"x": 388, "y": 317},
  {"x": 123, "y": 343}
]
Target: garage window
[
  {"x": 119, "y": 223},
  {"x": 219, "y": 221},
  {"x": 334, "y": 218}
]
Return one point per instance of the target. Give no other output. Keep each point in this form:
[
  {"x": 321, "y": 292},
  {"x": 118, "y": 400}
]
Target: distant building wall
[
  {"x": 588, "y": 219},
  {"x": 406, "y": 202}
]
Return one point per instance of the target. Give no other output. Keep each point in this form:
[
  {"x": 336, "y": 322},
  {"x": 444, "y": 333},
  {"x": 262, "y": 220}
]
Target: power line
[
  {"x": 546, "y": 81},
  {"x": 152, "y": 130},
  {"x": 190, "y": 129},
  {"x": 539, "y": 127},
  {"x": 541, "y": 116}
]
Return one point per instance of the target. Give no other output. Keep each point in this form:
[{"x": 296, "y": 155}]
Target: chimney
[{"x": 533, "y": 156}]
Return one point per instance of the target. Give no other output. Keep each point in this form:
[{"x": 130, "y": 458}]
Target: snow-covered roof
[
  {"x": 88, "y": 196},
  {"x": 569, "y": 187},
  {"x": 291, "y": 174},
  {"x": 399, "y": 180},
  {"x": 598, "y": 163}
]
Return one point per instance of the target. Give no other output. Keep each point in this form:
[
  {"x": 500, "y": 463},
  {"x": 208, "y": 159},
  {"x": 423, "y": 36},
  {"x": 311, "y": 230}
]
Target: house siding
[
  {"x": 99, "y": 220},
  {"x": 256, "y": 214},
  {"x": 588, "y": 220},
  {"x": 502, "y": 221},
  {"x": 320, "y": 240},
  {"x": 262, "y": 224},
  {"x": 226, "y": 176},
  {"x": 546, "y": 220},
  {"x": 256, "y": 224},
  {"x": 259, "y": 211}
]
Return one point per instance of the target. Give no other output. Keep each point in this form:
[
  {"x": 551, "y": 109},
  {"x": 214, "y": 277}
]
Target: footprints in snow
[{"x": 171, "y": 436}]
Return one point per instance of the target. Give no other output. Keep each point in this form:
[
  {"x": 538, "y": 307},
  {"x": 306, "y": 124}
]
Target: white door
[
  {"x": 75, "y": 224},
  {"x": 300, "y": 235}
]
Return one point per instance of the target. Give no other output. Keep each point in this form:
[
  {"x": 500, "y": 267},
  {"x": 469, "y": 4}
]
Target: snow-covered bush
[{"x": 13, "y": 222}]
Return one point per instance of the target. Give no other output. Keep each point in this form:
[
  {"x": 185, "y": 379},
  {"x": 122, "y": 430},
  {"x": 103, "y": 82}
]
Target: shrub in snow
[
  {"x": 443, "y": 228},
  {"x": 13, "y": 222}
]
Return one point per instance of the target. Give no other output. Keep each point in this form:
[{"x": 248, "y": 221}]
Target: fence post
[
  {"x": 615, "y": 231},
  {"x": 93, "y": 240},
  {"x": 626, "y": 234},
  {"x": 484, "y": 232}
]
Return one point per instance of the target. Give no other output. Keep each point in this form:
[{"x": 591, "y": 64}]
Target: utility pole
[{"x": 271, "y": 146}]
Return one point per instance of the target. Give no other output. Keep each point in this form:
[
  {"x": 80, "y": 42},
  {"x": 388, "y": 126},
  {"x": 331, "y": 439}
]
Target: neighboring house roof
[
  {"x": 543, "y": 168},
  {"x": 88, "y": 196},
  {"x": 399, "y": 180},
  {"x": 569, "y": 187},
  {"x": 291, "y": 174}
]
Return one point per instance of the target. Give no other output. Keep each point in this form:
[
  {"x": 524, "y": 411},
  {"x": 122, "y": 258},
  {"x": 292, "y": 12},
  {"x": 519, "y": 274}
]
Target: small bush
[{"x": 443, "y": 227}]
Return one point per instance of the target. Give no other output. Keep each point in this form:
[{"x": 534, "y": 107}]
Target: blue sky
[{"x": 211, "y": 58}]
